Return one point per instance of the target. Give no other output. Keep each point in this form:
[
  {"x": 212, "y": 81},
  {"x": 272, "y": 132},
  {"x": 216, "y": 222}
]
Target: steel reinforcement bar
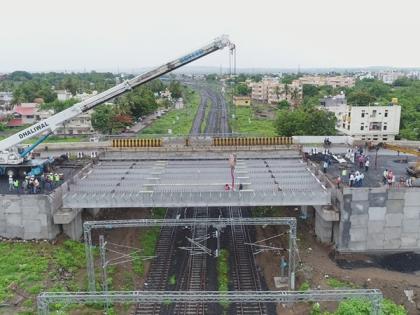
[{"x": 46, "y": 298}]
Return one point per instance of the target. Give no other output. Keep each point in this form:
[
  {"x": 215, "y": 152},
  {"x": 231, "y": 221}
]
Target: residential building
[
  {"x": 84, "y": 96},
  {"x": 24, "y": 114},
  {"x": 242, "y": 101},
  {"x": 5, "y": 100},
  {"x": 377, "y": 123},
  {"x": 80, "y": 125},
  {"x": 179, "y": 103},
  {"x": 63, "y": 95},
  {"x": 336, "y": 81},
  {"x": 332, "y": 101},
  {"x": 166, "y": 94},
  {"x": 272, "y": 91},
  {"x": 389, "y": 77}
]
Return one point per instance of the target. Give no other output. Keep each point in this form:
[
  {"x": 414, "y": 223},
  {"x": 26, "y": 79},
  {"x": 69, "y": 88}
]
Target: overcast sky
[{"x": 79, "y": 35}]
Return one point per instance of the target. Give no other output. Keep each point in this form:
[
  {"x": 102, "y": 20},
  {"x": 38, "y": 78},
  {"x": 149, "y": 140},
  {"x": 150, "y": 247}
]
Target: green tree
[
  {"x": 139, "y": 102},
  {"x": 291, "y": 123},
  {"x": 360, "y": 98},
  {"x": 242, "y": 89},
  {"x": 102, "y": 119},
  {"x": 283, "y": 104},
  {"x": 175, "y": 89},
  {"x": 59, "y": 106},
  {"x": 310, "y": 121},
  {"x": 310, "y": 90}
]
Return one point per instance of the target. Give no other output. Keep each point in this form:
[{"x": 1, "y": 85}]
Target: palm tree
[
  {"x": 286, "y": 90},
  {"x": 295, "y": 97}
]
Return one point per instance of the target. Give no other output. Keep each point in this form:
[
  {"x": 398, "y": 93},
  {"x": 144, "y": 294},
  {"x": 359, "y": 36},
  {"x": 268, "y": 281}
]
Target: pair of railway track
[{"x": 244, "y": 272}]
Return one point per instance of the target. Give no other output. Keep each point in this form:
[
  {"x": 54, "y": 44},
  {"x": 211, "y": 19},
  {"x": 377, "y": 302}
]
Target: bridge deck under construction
[{"x": 196, "y": 183}]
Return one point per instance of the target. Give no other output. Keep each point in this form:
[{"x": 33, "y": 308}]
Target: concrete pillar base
[{"x": 74, "y": 229}]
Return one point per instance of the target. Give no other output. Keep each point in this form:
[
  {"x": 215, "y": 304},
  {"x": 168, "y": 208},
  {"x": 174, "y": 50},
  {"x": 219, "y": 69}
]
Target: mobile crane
[{"x": 13, "y": 162}]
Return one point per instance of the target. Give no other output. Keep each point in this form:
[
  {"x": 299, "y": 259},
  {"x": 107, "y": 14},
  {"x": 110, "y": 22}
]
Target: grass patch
[
  {"x": 223, "y": 274},
  {"x": 360, "y": 307},
  {"x": 206, "y": 116},
  {"x": 172, "y": 280},
  {"x": 30, "y": 268},
  {"x": 22, "y": 266},
  {"x": 246, "y": 122},
  {"x": 179, "y": 120},
  {"x": 340, "y": 284},
  {"x": 305, "y": 286},
  {"x": 71, "y": 255}
]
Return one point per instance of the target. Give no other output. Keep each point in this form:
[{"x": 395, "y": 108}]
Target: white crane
[{"x": 11, "y": 160}]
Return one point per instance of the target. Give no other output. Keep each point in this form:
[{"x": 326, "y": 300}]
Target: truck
[{"x": 15, "y": 162}]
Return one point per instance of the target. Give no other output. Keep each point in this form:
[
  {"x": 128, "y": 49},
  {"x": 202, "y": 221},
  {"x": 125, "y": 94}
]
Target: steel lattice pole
[{"x": 89, "y": 258}]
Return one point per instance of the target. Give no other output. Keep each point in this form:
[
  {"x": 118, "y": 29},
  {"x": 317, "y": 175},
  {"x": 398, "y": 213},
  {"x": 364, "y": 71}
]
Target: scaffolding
[
  {"x": 47, "y": 298},
  {"x": 215, "y": 222}
]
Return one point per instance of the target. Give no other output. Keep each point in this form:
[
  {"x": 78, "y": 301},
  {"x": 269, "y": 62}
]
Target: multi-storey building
[
  {"x": 336, "y": 81},
  {"x": 377, "y": 123},
  {"x": 272, "y": 91}
]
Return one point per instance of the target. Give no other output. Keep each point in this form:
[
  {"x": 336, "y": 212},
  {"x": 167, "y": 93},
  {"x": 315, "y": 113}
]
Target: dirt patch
[{"x": 318, "y": 269}]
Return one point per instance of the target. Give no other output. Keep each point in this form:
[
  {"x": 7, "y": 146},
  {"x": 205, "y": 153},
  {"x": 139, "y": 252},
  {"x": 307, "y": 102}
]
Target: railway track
[
  {"x": 158, "y": 274},
  {"x": 201, "y": 112},
  {"x": 243, "y": 267},
  {"x": 195, "y": 276}
]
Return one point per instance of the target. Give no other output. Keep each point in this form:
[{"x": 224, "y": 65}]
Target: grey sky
[{"x": 88, "y": 35}]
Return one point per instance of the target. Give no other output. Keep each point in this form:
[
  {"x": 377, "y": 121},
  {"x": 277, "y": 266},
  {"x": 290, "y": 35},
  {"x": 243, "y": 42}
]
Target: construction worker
[
  {"x": 16, "y": 184},
  {"x": 367, "y": 165},
  {"x": 25, "y": 184},
  {"x": 56, "y": 180},
  {"x": 36, "y": 185},
  {"x": 325, "y": 166},
  {"x": 10, "y": 183}
]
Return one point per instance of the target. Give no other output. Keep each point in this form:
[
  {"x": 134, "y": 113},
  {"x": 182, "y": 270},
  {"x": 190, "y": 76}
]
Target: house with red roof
[{"x": 24, "y": 114}]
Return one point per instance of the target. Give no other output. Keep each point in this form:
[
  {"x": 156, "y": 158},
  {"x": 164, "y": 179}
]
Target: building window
[
  {"x": 363, "y": 114},
  {"x": 375, "y": 126},
  {"x": 362, "y": 127},
  {"x": 373, "y": 113},
  {"x": 384, "y": 138},
  {"x": 344, "y": 125},
  {"x": 348, "y": 127},
  {"x": 386, "y": 113},
  {"x": 385, "y": 127},
  {"x": 375, "y": 138}
]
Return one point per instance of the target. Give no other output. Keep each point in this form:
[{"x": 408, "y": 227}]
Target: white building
[
  {"x": 377, "y": 123},
  {"x": 389, "y": 77},
  {"x": 5, "y": 99},
  {"x": 80, "y": 125},
  {"x": 63, "y": 95}
]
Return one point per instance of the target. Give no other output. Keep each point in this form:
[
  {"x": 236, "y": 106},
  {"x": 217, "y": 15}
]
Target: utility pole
[{"x": 102, "y": 245}]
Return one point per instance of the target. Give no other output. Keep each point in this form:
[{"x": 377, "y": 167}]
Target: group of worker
[{"x": 35, "y": 184}]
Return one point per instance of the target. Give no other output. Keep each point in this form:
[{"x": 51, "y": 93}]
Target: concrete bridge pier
[{"x": 71, "y": 220}]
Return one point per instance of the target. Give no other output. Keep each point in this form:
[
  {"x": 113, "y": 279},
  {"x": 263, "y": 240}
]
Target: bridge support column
[{"x": 74, "y": 229}]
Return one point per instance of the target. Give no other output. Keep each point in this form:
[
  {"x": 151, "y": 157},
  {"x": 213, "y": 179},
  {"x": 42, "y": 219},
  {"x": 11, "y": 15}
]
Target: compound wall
[{"x": 378, "y": 219}]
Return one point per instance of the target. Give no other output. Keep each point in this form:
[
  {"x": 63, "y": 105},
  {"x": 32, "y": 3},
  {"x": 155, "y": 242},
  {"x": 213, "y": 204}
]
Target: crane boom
[{"x": 52, "y": 123}]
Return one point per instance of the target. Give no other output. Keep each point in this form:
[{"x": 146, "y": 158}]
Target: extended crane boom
[{"x": 52, "y": 123}]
